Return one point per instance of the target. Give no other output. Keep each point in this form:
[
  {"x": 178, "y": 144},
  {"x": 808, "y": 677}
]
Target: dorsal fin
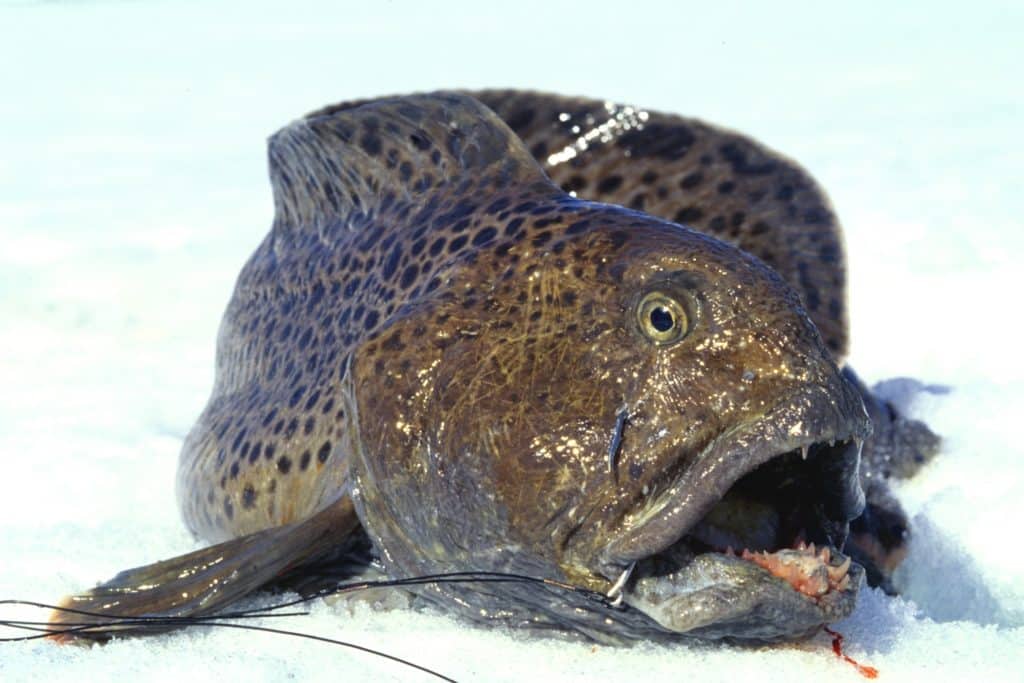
[
  {"x": 349, "y": 161},
  {"x": 684, "y": 170}
]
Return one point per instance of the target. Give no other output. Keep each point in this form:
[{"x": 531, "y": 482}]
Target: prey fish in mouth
[{"x": 443, "y": 350}]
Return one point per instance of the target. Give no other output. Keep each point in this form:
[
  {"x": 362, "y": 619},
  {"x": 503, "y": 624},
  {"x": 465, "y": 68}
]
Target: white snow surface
[{"x": 133, "y": 187}]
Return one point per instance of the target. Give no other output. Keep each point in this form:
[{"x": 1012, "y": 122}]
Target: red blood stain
[{"x": 837, "y": 647}]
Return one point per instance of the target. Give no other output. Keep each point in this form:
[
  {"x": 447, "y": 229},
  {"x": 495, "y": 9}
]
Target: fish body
[{"x": 438, "y": 346}]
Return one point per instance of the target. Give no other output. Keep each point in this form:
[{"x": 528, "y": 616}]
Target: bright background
[{"x": 133, "y": 187}]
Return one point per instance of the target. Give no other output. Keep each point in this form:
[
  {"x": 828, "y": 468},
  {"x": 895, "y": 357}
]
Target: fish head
[
  {"x": 570, "y": 391},
  {"x": 611, "y": 394}
]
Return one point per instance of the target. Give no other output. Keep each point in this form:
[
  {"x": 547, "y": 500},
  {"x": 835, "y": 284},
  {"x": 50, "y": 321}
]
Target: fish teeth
[
  {"x": 803, "y": 451},
  {"x": 837, "y": 574},
  {"x": 825, "y": 555}
]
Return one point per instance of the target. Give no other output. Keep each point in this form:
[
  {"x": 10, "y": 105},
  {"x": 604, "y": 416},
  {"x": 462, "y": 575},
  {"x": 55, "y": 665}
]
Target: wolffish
[{"x": 447, "y": 347}]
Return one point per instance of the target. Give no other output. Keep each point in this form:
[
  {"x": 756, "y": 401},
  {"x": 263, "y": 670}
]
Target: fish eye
[{"x": 662, "y": 318}]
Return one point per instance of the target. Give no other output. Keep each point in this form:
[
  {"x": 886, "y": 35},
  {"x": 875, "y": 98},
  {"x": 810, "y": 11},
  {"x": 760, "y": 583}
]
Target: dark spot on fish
[
  {"x": 485, "y": 236},
  {"x": 577, "y": 227},
  {"x": 419, "y": 141},
  {"x": 391, "y": 264},
  {"x": 691, "y": 181},
  {"x": 737, "y": 158},
  {"x": 409, "y": 276},
  {"x": 310, "y": 424},
  {"x": 371, "y": 320},
  {"x": 668, "y": 142},
  {"x": 284, "y": 464},
  {"x": 520, "y": 119},
  {"x": 229, "y": 509},
  {"x": 324, "y": 452},
  {"x": 575, "y": 183},
  {"x": 835, "y": 308},
  {"x": 371, "y": 144},
  {"x": 304, "y": 460},
  {"x": 328, "y": 405},
  {"x": 248, "y": 497},
  {"x": 815, "y": 216},
  {"x": 609, "y": 184},
  {"x": 688, "y": 214},
  {"x": 829, "y": 253}
]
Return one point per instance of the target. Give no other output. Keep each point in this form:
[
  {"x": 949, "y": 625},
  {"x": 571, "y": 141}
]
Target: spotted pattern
[
  {"x": 372, "y": 206},
  {"x": 687, "y": 171},
  {"x": 375, "y": 204}
]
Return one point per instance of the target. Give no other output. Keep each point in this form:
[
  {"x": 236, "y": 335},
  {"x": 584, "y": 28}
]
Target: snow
[{"x": 132, "y": 188}]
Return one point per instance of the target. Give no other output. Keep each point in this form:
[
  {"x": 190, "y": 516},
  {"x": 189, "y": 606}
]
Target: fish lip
[{"x": 795, "y": 422}]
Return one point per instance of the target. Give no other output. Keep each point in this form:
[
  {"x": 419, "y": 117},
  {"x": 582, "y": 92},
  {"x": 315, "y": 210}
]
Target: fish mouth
[{"x": 746, "y": 542}]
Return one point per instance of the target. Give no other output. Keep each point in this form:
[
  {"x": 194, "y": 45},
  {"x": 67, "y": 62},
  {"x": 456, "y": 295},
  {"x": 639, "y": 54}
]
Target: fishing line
[{"x": 111, "y": 624}]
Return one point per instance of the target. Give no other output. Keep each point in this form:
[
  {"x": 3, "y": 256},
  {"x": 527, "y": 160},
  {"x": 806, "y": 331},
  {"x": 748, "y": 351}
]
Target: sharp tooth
[
  {"x": 837, "y": 573},
  {"x": 615, "y": 592},
  {"x": 825, "y": 555},
  {"x": 803, "y": 451},
  {"x": 810, "y": 549},
  {"x": 859, "y": 443},
  {"x": 729, "y": 551},
  {"x": 844, "y": 584}
]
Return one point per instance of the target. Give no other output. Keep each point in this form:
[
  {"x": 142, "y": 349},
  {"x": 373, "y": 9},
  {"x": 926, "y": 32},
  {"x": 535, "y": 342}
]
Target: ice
[{"x": 132, "y": 188}]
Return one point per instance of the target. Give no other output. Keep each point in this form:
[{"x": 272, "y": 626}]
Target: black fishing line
[{"x": 112, "y": 623}]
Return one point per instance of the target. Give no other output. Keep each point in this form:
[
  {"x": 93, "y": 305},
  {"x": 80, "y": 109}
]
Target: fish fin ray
[
  {"x": 350, "y": 162},
  {"x": 204, "y": 581}
]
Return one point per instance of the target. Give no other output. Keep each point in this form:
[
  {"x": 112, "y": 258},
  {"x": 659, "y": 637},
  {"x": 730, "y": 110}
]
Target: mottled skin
[
  {"x": 437, "y": 344},
  {"x": 727, "y": 185}
]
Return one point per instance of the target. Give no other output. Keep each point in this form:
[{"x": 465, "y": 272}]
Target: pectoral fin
[{"x": 202, "y": 582}]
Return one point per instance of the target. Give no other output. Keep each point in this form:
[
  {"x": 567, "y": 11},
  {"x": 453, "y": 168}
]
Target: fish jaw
[
  {"x": 764, "y": 489},
  {"x": 717, "y": 595}
]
